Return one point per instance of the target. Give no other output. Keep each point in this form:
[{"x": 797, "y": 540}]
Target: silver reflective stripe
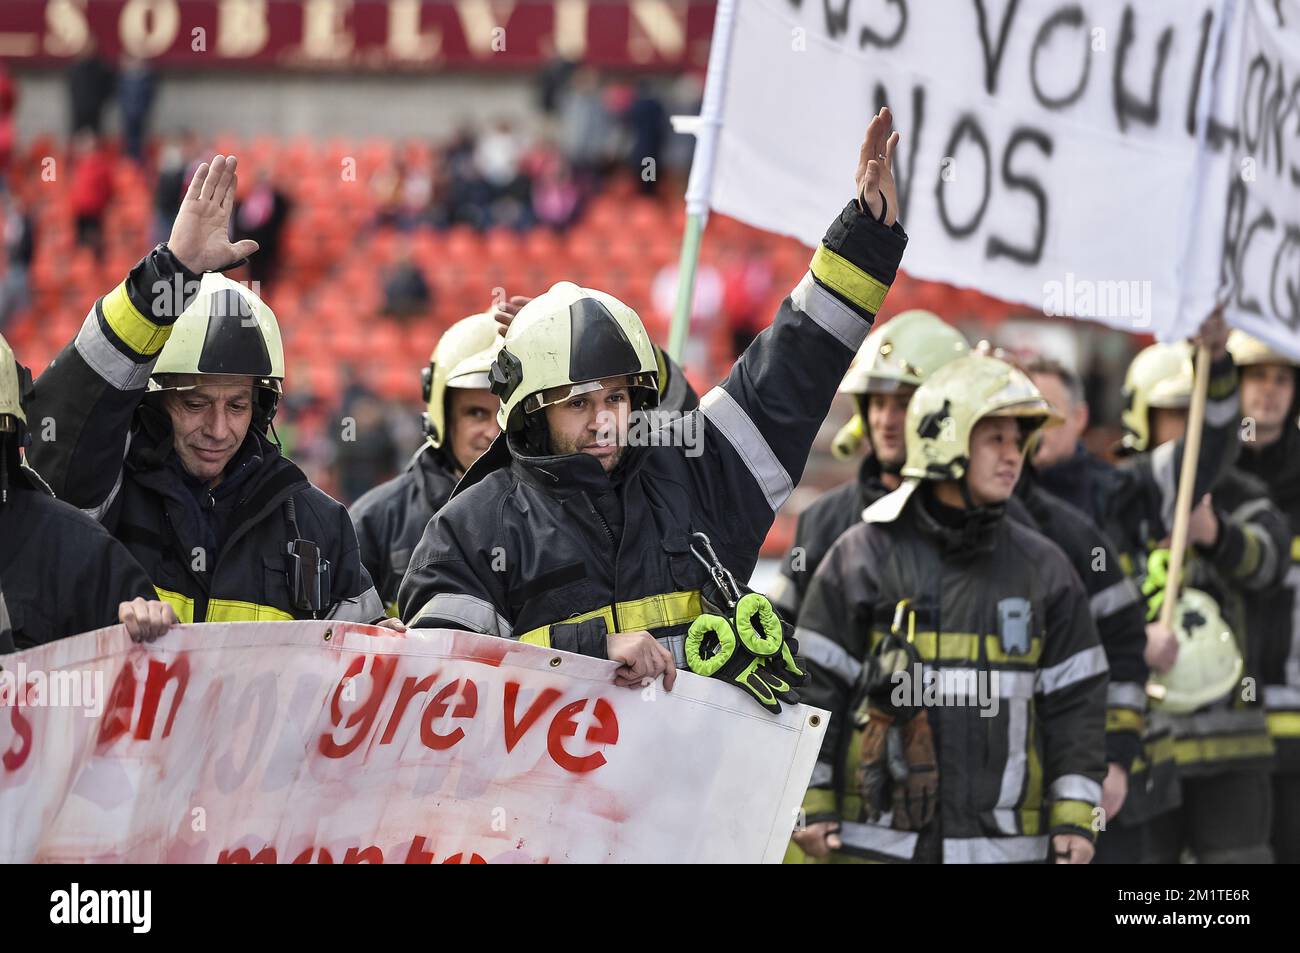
[
  {"x": 6, "y": 627},
  {"x": 1126, "y": 695},
  {"x": 1293, "y": 659},
  {"x": 994, "y": 850},
  {"x": 833, "y": 315},
  {"x": 1116, "y": 596},
  {"x": 744, "y": 436},
  {"x": 784, "y": 594},
  {"x": 1221, "y": 413},
  {"x": 822, "y": 776},
  {"x": 96, "y": 513},
  {"x": 1013, "y": 773},
  {"x": 677, "y": 645},
  {"x": 827, "y": 653},
  {"x": 107, "y": 361},
  {"x": 882, "y": 840},
  {"x": 1076, "y": 668},
  {"x": 1281, "y": 696},
  {"x": 1012, "y": 684},
  {"x": 470, "y": 611},
  {"x": 1162, "y": 468},
  {"x": 1219, "y": 720},
  {"x": 366, "y": 607},
  {"x": 1076, "y": 787}
]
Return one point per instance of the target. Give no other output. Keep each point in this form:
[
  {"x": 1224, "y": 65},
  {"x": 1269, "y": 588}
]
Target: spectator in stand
[
  {"x": 647, "y": 123},
  {"x": 586, "y": 128},
  {"x": 497, "y": 157},
  {"x": 174, "y": 162},
  {"x": 90, "y": 85},
  {"x": 261, "y": 216},
  {"x": 747, "y": 283},
  {"x": 8, "y": 101},
  {"x": 406, "y": 292},
  {"x": 553, "y": 81},
  {"x": 556, "y": 196},
  {"x": 92, "y": 189},
  {"x": 136, "y": 89},
  {"x": 366, "y": 452},
  {"x": 19, "y": 246}
]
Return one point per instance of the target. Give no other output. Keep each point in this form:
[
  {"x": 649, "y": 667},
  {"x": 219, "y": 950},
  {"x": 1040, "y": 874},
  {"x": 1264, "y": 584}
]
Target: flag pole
[{"x": 699, "y": 188}]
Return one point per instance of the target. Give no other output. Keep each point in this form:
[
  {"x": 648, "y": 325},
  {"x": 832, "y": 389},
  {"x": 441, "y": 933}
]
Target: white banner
[
  {"x": 1053, "y": 154},
  {"x": 330, "y": 742}
]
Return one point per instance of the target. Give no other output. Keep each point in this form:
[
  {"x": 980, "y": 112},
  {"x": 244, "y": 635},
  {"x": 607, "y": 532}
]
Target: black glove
[{"x": 715, "y": 651}]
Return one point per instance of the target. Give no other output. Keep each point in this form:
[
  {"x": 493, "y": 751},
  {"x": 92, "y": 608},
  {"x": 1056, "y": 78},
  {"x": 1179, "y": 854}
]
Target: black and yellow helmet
[
  {"x": 462, "y": 358},
  {"x": 227, "y": 330},
  {"x": 568, "y": 341}
]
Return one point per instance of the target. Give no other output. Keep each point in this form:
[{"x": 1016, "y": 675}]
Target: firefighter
[
  {"x": 896, "y": 358},
  {"x": 956, "y": 653},
  {"x": 160, "y": 413},
  {"x": 1270, "y": 407},
  {"x": 460, "y": 422},
  {"x": 583, "y": 530},
  {"x": 1203, "y": 782},
  {"x": 60, "y": 572}
]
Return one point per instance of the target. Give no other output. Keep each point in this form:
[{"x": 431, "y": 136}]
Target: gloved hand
[
  {"x": 761, "y": 627},
  {"x": 714, "y": 650},
  {"x": 873, "y": 762},
  {"x": 916, "y": 793}
]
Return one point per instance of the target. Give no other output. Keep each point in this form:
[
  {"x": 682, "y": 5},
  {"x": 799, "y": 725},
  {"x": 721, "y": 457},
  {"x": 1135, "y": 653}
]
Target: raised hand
[
  {"x": 201, "y": 233},
  {"x": 875, "y": 174}
]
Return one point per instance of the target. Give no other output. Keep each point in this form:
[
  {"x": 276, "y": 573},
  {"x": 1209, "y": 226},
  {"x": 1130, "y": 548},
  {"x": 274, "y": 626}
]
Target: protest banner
[{"x": 297, "y": 742}]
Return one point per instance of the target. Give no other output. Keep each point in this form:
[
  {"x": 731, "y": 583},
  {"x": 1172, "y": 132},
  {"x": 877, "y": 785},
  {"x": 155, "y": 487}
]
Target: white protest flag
[
  {"x": 1049, "y": 151},
  {"x": 329, "y": 742},
  {"x": 1250, "y": 238}
]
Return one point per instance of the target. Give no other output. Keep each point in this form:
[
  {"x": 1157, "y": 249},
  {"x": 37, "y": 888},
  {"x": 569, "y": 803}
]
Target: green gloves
[{"x": 750, "y": 649}]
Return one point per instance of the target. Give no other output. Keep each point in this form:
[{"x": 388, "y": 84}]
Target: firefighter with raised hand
[
  {"x": 1270, "y": 441},
  {"x": 460, "y": 423},
  {"x": 955, "y": 650},
  {"x": 160, "y": 415},
  {"x": 571, "y": 534},
  {"x": 894, "y": 361},
  {"x": 61, "y": 574},
  {"x": 1202, "y": 783}
]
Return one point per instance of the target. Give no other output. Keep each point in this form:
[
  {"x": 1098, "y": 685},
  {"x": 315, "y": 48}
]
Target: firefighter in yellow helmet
[
  {"x": 584, "y": 527},
  {"x": 1270, "y": 445},
  {"x": 955, "y": 650},
  {"x": 460, "y": 422},
  {"x": 894, "y": 361},
  {"x": 160, "y": 427},
  {"x": 1202, "y": 782},
  {"x": 61, "y": 574}
]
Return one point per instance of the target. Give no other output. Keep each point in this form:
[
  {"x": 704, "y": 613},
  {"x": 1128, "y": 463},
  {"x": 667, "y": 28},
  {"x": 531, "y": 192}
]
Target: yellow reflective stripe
[
  {"x": 648, "y": 612},
  {"x": 1295, "y": 549},
  {"x": 965, "y": 647},
  {"x": 1031, "y": 820},
  {"x": 848, "y": 280},
  {"x": 391, "y": 609},
  {"x": 231, "y": 610},
  {"x": 1124, "y": 719},
  {"x": 1126, "y": 564},
  {"x": 661, "y": 611},
  {"x": 136, "y": 331},
  {"x": 1223, "y": 748},
  {"x": 1072, "y": 813},
  {"x": 1250, "y": 553},
  {"x": 183, "y": 605},
  {"x": 1284, "y": 724},
  {"x": 1155, "y": 752}
]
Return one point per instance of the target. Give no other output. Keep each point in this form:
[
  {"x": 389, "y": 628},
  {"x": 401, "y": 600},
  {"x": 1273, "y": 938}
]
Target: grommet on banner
[
  {"x": 328, "y": 634},
  {"x": 814, "y": 720},
  {"x": 555, "y": 662}
]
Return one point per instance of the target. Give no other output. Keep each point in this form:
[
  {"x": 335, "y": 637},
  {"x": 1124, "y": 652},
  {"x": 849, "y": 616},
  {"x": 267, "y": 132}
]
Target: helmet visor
[{"x": 558, "y": 395}]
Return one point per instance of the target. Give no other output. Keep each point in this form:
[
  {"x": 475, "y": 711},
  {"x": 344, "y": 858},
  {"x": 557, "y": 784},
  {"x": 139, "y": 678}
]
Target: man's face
[
  {"x": 1057, "y": 443},
  {"x": 1167, "y": 423},
  {"x": 471, "y": 423},
  {"x": 594, "y": 423},
  {"x": 209, "y": 422},
  {"x": 995, "y": 460},
  {"x": 886, "y": 420},
  {"x": 1267, "y": 391}
]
